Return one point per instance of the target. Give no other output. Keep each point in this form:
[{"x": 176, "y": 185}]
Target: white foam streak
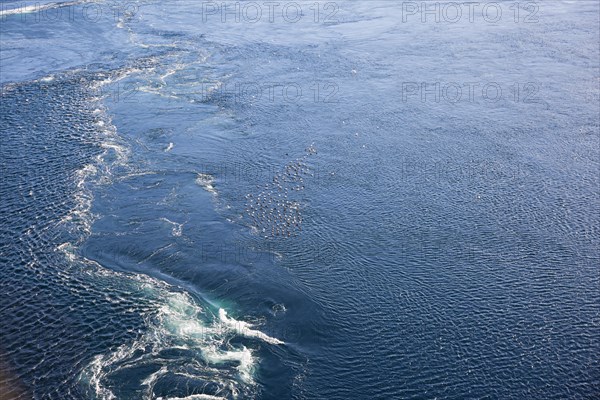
[
  {"x": 243, "y": 357},
  {"x": 96, "y": 376},
  {"x": 194, "y": 397},
  {"x": 115, "y": 77},
  {"x": 80, "y": 217},
  {"x": 151, "y": 380},
  {"x": 22, "y": 9},
  {"x": 245, "y": 329}
]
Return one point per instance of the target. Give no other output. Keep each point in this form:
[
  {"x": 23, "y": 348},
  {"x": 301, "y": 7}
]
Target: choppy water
[{"x": 351, "y": 202}]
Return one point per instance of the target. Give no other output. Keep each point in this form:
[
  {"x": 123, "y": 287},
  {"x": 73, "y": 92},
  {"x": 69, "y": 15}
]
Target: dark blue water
[{"x": 353, "y": 201}]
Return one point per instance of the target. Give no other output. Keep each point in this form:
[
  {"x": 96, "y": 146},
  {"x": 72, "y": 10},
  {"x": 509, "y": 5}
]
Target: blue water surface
[{"x": 302, "y": 200}]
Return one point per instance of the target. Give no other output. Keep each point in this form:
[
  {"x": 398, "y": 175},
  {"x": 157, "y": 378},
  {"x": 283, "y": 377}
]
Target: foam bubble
[
  {"x": 177, "y": 227},
  {"x": 206, "y": 181}
]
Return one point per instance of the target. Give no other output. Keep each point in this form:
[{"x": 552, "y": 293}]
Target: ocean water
[{"x": 299, "y": 200}]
